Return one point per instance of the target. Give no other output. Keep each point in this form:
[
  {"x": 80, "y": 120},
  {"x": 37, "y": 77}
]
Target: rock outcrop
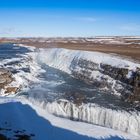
[
  {"x": 6, "y": 78},
  {"x": 110, "y": 73},
  {"x": 114, "y": 79}
]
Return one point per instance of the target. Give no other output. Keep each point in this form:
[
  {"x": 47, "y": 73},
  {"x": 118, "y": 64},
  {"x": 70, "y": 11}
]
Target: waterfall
[
  {"x": 93, "y": 113},
  {"x": 87, "y": 66}
]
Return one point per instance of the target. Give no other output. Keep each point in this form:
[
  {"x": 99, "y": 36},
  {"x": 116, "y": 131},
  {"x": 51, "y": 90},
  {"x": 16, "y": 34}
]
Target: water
[
  {"x": 55, "y": 84},
  {"x": 8, "y": 51},
  {"x": 59, "y": 85},
  {"x": 45, "y": 88}
]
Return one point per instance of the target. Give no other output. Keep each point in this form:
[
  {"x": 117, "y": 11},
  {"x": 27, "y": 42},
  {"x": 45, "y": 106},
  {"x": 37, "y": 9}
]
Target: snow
[
  {"x": 22, "y": 45},
  {"x": 55, "y": 57},
  {"x": 63, "y": 59},
  {"x": 60, "y": 128},
  {"x": 106, "y": 40},
  {"x": 20, "y": 114},
  {"x": 93, "y": 113},
  {"x": 129, "y": 74},
  {"x": 21, "y": 78}
]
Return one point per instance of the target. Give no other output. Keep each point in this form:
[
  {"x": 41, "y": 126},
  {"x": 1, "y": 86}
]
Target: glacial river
[{"x": 55, "y": 84}]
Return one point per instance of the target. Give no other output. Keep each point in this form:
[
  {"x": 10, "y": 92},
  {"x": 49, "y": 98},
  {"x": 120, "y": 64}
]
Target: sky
[{"x": 69, "y": 18}]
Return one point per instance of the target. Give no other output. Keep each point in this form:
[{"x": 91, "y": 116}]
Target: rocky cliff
[
  {"x": 117, "y": 80},
  {"x": 106, "y": 72}
]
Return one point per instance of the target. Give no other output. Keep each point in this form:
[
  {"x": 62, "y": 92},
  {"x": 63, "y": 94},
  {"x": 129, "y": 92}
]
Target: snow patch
[{"x": 54, "y": 128}]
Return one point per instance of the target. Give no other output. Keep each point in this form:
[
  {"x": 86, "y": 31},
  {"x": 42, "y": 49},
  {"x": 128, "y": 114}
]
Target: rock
[
  {"x": 131, "y": 84},
  {"x": 124, "y": 82},
  {"x": 135, "y": 97},
  {"x": 11, "y": 90},
  {"x": 114, "y": 72},
  {"x": 6, "y": 78}
]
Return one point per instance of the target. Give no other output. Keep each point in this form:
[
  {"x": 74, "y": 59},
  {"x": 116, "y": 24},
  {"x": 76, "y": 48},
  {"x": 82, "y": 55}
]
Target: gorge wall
[{"x": 111, "y": 73}]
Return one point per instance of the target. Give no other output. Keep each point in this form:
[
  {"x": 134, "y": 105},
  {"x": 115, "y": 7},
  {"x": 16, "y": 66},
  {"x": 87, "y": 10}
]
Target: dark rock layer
[{"x": 127, "y": 82}]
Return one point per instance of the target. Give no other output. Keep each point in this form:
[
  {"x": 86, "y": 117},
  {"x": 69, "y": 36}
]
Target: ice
[
  {"x": 62, "y": 58},
  {"x": 18, "y": 65},
  {"x": 92, "y": 113},
  {"x": 34, "y": 119}
]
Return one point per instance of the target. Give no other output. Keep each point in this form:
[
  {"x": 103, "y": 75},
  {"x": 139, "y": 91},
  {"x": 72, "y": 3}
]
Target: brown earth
[
  {"x": 128, "y": 47},
  {"x": 131, "y": 51}
]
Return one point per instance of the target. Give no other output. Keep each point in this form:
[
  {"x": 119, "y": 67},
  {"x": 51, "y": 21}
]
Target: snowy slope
[
  {"x": 60, "y": 128},
  {"x": 123, "y": 120},
  {"x": 20, "y": 114},
  {"x": 73, "y": 62},
  {"x": 62, "y": 58}
]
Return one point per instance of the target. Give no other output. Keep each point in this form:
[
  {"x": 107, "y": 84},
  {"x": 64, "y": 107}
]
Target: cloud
[
  {"x": 130, "y": 27},
  {"x": 8, "y": 30},
  {"x": 87, "y": 19}
]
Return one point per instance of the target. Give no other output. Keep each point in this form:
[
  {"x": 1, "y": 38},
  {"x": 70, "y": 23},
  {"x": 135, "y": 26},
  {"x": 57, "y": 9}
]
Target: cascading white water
[
  {"x": 92, "y": 113},
  {"x": 62, "y": 58}
]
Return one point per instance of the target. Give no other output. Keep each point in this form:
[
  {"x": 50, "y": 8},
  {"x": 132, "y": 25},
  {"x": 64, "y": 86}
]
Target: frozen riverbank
[
  {"x": 76, "y": 85},
  {"x": 29, "y": 119}
]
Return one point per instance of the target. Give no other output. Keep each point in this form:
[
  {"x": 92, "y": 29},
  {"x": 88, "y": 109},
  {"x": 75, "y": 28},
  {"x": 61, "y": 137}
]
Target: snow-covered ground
[
  {"x": 18, "y": 114},
  {"x": 36, "y": 117}
]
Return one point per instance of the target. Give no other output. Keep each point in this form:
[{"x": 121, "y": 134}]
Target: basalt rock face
[
  {"x": 122, "y": 74},
  {"x": 6, "y": 79},
  {"x": 83, "y": 70},
  {"x": 120, "y": 81},
  {"x": 135, "y": 97},
  {"x": 129, "y": 79}
]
